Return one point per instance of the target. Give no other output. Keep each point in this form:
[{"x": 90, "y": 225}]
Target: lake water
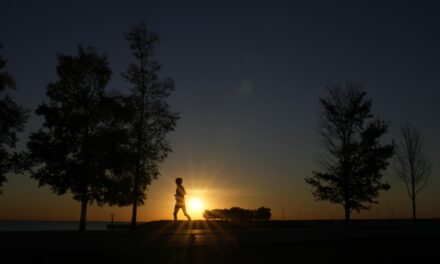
[{"x": 6, "y": 225}]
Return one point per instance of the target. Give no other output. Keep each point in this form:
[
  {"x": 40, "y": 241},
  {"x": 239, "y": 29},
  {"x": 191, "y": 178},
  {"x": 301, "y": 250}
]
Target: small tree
[
  {"x": 79, "y": 147},
  {"x": 262, "y": 213},
  {"x": 153, "y": 119},
  {"x": 411, "y": 165},
  {"x": 351, "y": 169},
  {"x": 12, "y": 120}
]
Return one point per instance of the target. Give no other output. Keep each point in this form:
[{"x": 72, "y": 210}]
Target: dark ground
[{"x": 223, "y": 242}]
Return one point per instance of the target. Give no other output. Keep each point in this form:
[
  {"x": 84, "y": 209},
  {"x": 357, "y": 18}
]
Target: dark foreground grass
[{"x": 217, "y": 243}]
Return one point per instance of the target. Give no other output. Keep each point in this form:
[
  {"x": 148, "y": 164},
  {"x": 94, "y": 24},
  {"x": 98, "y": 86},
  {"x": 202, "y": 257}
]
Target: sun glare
[{"x": 195, "y": 204}]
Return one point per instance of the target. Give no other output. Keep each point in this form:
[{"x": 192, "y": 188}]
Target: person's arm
[{"x": 180, "y": 191}]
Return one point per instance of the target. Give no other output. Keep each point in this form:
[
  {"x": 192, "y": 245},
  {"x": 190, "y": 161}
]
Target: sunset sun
[{"x": 195, "y": 204}]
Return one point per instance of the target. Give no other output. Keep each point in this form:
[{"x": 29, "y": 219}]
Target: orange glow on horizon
[{"x": 23, "y": 200}]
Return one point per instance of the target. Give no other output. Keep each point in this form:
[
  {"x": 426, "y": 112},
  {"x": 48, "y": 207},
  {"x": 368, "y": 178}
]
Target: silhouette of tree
[
  {"x": 12, "y": 119},
  {"x": 82, "y": 138},
  {"x": 412, "y": 166},
  {"x": 153, "y": 118},
  {"x": 351, "y": 169},
  {"x": 262, "y": 213}
]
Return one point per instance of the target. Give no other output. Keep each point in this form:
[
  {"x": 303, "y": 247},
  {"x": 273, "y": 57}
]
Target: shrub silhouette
[{"x": 238, "y": 214}]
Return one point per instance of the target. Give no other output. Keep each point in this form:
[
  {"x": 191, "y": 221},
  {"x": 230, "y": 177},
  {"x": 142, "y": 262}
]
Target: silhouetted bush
[
  {"x": 262, "y": 213},
  {"x": 238, "y": 214}
]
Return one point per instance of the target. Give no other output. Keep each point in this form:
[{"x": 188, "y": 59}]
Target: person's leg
[
  {"x": 185, "y": 213},
  {"x": 176, "y": 210}
]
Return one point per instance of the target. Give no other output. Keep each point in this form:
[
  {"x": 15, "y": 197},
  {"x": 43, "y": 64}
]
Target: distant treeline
[{"x": 238, "y": 214}]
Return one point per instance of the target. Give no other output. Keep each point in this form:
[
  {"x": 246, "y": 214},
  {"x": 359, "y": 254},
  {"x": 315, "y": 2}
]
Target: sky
[{"x": 249, "y": 75}]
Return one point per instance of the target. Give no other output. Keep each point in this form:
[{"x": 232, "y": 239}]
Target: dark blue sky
[{"x": 248, "y": 78}]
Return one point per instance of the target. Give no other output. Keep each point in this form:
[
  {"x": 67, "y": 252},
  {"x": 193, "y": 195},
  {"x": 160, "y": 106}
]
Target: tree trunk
[
  {"x": 414, "y": 209},
  {"x": 413, "y": 200},
  {"x": 139, "y": 143},
  {"x": 347, "y": 213},
  {"x": 134, "y": 214},
  {"x": 346, "y": 174},
  {"x": 82, "y": 221},
  {"x": 138, "y": 166},
  {"x": 135, "y": 198},
  {"x": 347, "y": 206}
]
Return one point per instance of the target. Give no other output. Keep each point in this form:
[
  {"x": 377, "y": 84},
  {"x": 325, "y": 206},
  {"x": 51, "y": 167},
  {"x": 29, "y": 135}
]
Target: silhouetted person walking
[{"x": 180, "y": 199}]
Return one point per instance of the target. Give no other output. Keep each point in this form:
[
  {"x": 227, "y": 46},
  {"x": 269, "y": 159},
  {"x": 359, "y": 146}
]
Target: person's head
[{"x": 179, "y": 181}]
